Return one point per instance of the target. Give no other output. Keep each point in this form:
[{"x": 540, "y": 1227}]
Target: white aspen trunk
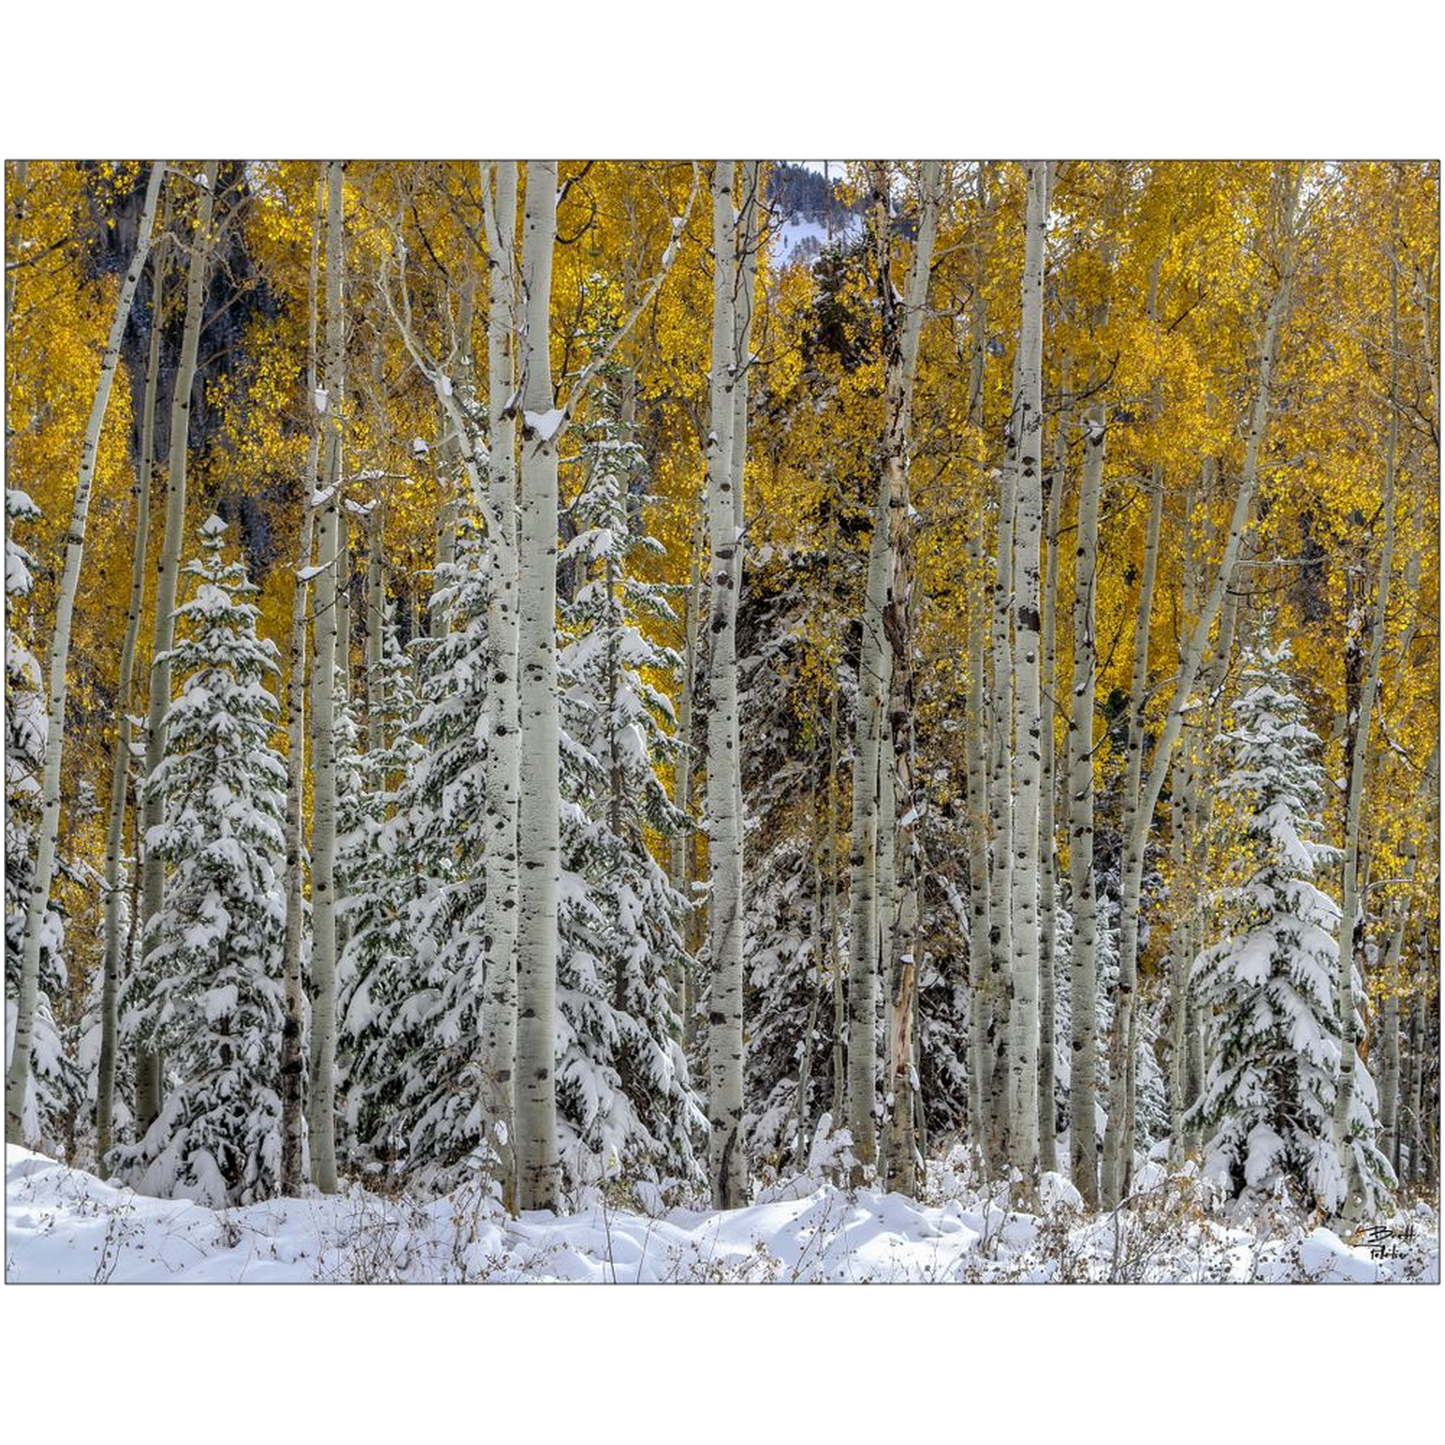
[
  {"x": 1358, "y": 730},
  {"x": 900, "y": 340},
  {"x": 503, "y": 778},
  {"x": 1083, "y": 962},
  {"x": 1048, "y": 1147},
  {"x": 330, "y": 640},
  {"x": 1026, "y": 445},
  {"x": 148, "y": 1066},
  {"x": 17, "y": 1079},
  {"x": 727, "y": 1168},
  {"x": 1001, "y": 794},
  {"x": 980, "y": 974},
  {"x": 749, "y": 204},
  {"x": 1117, "y": 1151},
  {"x": 682, "y": 843},
  {"x": 293, "y": 1026},
  {"x": 537, "y": 825},
  {"x": 121, "y": 765},
  {"x": 863, "y": 860}
]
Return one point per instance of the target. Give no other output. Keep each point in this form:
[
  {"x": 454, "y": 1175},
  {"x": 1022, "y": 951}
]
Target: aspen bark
[
  {"x": 121, "y": 765},
  {"x": 1048, "y": 1147},
  {"x": 538, "y": 820},
  {"x": 330, "y": 640},
  {"x": 863, "y": 869},
  {"x": 1026, "y": 446},
  {"x": 901, "y": 336},
  {"x": 503, "y": 778},
  {"x": 683, "y": 850},
  {"x": 293, "y": 1026},
  {"x": 1083, "y": 963},
  {"x": 726, "y": 1165},
  {"x": 1117, "y": 1150},
  {"x": 979, "y": 953},
  {"x": 1001, "y": 795}
]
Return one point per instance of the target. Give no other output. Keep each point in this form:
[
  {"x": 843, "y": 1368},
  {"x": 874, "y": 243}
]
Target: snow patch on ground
[{"x": 64, "y": 1224}]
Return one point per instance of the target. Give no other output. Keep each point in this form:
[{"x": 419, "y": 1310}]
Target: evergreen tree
[
  {"x": 1266, "y": 987},
  {"x": 54, "y": 1081},
  {"x": 415, "y": 1028},
  {"x": 211, "y": 1001},
  {"x": 623, "y": 1091},
  {"x": 378, "y": 856},
  {"x": 786, "y": 989}
]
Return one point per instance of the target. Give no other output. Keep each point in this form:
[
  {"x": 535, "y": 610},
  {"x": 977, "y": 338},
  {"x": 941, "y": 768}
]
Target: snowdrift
[{"x": 65, "y": 1225}]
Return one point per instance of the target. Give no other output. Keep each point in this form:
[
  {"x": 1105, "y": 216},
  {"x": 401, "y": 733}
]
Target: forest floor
[{"x": 64, "y": 1224}]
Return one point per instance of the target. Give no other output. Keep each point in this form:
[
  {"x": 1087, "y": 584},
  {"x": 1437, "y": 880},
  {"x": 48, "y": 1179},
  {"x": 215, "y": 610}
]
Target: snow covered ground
[{"x": 63, "y": 1224}]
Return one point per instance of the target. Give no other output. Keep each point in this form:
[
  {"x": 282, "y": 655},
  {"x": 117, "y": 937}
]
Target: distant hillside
[{"x": 804, "y": 204}]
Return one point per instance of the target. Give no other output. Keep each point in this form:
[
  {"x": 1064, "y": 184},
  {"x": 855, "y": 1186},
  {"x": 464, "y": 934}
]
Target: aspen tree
[
  {"x": 683, "y": 850},
  {"x": 979, "y": 951},
  {"x": 544, "y": 424},
  {"x": 18, "y": 1075},
  {"x": 1048, "y": 1157},
  {"x": 900, "y": 342},
  {"x": 121, "y": 766},
  {"x": 1001, "y": 807},
  {"x": 1025, "y": 460},
  {"x": 42, "y": 877},
  {"x": 499, "y": 984},
  {"x": 293, "y": 1041},
  {"x": 727, "y": 1169},
  {"x": 537, "y": 825},
  {"x": 1083, "y": 959},
  {"x": 329, "y": 641}
]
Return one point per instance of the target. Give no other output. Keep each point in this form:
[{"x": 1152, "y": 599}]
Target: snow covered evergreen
[
  {"x": 210, "y": 1001},
  {"x": 54, "y": 1084},
  {"x": 624, "y": 1095},
  {"x": 1267, "y": 986},
  {"x": 412, "y": 1017},
  {"x": 380, "y": 862}
]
